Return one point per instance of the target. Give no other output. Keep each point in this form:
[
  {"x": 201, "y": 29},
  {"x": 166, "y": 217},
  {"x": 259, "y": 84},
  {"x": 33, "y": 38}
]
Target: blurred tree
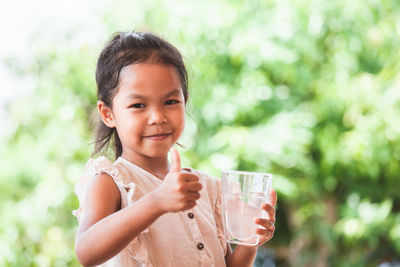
[{"x": 307, "y": 90}]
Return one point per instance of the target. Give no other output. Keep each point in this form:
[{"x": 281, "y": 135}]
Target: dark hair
[{"x": 126, "y": 48}]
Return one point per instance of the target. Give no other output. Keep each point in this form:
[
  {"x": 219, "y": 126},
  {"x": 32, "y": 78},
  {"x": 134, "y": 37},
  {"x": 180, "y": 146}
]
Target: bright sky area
[{"x": 20, "y": 21}]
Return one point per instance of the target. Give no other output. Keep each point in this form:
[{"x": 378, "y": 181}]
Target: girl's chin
[{"x": 159, "y": 152}]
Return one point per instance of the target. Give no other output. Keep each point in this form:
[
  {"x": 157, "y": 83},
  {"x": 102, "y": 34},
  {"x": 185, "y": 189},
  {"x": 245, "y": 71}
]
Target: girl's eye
[
  {"x": 137, "y": 106},
  {"x": 171, "y": 102}
]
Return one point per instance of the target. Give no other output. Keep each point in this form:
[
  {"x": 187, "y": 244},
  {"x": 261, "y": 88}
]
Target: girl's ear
[{"x": 106, "y": 114}]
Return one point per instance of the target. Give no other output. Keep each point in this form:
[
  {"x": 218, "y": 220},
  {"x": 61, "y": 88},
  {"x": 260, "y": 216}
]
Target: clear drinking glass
[{"x": 243, "y": 193}]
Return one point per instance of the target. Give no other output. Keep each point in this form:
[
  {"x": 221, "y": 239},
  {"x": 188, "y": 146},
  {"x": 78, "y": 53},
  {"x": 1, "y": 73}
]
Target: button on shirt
[
  {"x": 200, "y": 246},
  {"x": 193, "y": 237}
]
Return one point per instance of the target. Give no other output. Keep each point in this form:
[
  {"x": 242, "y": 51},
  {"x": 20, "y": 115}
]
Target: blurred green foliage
[{"x": 307, "y": 90}]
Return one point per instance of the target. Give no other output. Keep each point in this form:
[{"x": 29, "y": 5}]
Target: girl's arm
[
  {"x": 106, "y": 230},
  {"x": 242, "y": 256}
]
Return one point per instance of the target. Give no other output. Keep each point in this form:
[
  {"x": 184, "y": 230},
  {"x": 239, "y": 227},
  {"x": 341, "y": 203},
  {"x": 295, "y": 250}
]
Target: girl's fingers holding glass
[
  {"x": 270, "y": 210},
  {"x": 265, "y": 233},
  {"x": 268, "y": 224}
]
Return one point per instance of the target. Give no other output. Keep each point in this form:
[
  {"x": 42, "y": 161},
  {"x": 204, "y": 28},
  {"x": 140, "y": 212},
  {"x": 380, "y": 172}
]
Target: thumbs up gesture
[{"x": 179, "y": 190}]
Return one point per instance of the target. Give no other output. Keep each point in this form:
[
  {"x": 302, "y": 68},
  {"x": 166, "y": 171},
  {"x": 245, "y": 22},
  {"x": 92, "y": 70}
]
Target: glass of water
[{"x": 243, "y": 194}]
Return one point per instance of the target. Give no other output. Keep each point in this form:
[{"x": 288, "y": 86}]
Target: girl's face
[{"x": 148, "y": 110}]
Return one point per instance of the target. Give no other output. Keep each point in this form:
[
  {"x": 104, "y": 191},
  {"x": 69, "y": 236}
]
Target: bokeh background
[{"x": 307, "y": 90}]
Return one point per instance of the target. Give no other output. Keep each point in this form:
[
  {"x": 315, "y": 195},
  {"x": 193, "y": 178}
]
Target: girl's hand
[
  {"x": 267, "y": 232},
  {"x": 179, "y": 190}
]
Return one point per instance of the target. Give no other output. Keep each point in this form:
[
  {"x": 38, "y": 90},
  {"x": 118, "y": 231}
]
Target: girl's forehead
[
  {"x": 147, "y": 73},
  {"x": 148, "y": 78}
]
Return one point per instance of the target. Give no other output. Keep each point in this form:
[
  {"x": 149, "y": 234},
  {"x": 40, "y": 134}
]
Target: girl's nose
[{"x": 157, "y": 116}]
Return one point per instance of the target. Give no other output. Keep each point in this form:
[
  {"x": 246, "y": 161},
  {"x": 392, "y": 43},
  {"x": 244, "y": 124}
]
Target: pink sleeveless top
[{"x": 192, "y": 238}]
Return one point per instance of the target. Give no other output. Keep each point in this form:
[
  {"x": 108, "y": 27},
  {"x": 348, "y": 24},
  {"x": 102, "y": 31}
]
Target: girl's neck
[{"x": 159, "y": 167}]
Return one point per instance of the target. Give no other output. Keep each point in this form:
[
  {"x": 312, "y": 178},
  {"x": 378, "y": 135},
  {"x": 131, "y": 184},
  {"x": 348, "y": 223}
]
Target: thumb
[{"x": 176, "y": 161}]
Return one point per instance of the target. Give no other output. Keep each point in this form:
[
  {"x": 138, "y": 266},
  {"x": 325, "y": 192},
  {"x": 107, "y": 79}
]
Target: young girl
[{"x": 140, "y": 210}]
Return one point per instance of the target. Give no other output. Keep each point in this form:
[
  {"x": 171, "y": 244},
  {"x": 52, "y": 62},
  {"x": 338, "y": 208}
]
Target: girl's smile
[{"x": 158, "y": 137}]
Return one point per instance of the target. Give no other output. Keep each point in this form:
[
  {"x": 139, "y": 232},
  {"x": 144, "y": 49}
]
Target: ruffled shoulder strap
[{"x": 94, "y": 167}]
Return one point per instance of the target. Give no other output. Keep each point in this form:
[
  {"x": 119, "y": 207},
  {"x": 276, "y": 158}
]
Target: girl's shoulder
[{"x": 104, "y": 165}]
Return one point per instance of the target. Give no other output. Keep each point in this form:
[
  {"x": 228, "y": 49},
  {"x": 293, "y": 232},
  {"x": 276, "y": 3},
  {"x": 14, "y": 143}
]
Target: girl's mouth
[{"x": 158, "y": 137}]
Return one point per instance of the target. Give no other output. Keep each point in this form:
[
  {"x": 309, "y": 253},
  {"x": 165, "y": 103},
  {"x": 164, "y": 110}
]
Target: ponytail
[{"x": 104, "y": 137}]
